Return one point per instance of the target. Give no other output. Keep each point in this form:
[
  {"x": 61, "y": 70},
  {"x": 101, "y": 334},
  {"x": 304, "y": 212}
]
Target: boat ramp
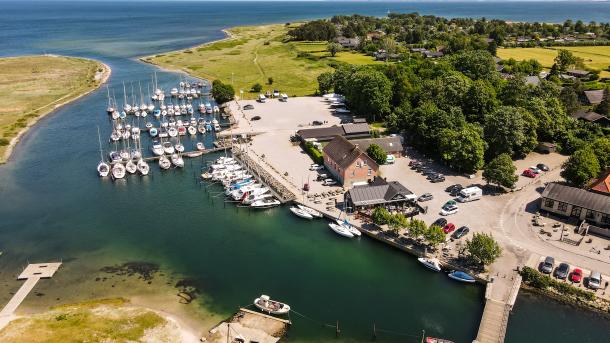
[{"x": 248, "y": 326}]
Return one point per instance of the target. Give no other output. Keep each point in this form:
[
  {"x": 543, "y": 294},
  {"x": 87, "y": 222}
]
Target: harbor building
[{"x": 348, "y": 163}]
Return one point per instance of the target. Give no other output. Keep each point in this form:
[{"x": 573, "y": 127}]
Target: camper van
[{"x": 470, "y": 194}]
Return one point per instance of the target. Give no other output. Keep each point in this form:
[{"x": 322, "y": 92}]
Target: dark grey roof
[
  {"x": 320, "y": 132},
  {"x": 587, "y": 115},
  {"x": 532, "y": 80},
  {"x": 379, "y": 192},
  {"x": 388, "y": 144},
  {"x": 577, "y": 72},
  {"x": 356, "y": 128},
  {"x": 358, "y": 120},
  {"x": 342, "y": 152},
  {"x": 594, "y": 97},
  {"x": 577, "y": 197}
]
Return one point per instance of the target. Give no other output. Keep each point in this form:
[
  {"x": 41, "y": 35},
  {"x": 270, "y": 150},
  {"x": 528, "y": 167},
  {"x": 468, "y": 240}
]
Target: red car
[
  {"x": 576, "y": 275},
  {"x": 449, "y": 228},
  {"x": 529, "y": 173}
]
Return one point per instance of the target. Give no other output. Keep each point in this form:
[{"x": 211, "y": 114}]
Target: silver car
[
  {"x": 595, "y": 280},
  {"x": 548, "y": 265}
]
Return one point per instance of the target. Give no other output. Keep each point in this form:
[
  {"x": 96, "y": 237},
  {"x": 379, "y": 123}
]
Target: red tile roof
[{"x": 602, "y": 185}]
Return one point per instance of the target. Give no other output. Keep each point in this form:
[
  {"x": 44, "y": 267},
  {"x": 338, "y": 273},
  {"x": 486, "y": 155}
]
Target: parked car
[
  {"x": 429, "y": 173},
  {"x": 562, "y": 271},
  {"x": 440, "y": 222},
  {"x": 449, "y": 210},
  {"x": 449, "y": 228},
  {"x": 595, "y": 280},
  {"x": 317, "y": 123},
  {"x": 329, "y": 182},
  {"x": 535, "y": 170},
  {"x": 542, "y": 167},
  {"x": 450, "y": 203},
  {"x": 452, "y": 187},
  {"x": 461, "y": 232},
  {"x": 425, "y": 197},
  {"x": 548, "y": 265},
  {"x": 249, "y": 107},
  {"x": 315, "y": 167},
  {"x": 256, "y": 118},
  {"x": 276, "y": 93},
  {"x": 529, "y": 173},
  {"x": 576, "y": 275},
  {"x": 413, "y": 162},
  {"x": 438, "y": 178}
]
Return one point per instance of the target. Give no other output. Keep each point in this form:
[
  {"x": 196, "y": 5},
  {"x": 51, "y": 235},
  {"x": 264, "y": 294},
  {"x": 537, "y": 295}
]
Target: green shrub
[
  {"x": 380, "y": 216},
  {"x": 4, "y": 142},
  {"x": 538, "y": 280},
  {"x": 314, "y": 153}
]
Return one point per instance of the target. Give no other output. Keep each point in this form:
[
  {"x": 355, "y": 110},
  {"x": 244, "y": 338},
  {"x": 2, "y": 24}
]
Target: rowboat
[
  {"x": 430, "y": 263},
  {"x": 265, "y": 304},
  {"x": 461, "y": 276},
  {"x": 340, "y": 230}
]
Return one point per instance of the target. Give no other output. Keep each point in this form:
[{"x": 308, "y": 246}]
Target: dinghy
[
  {"x": 340, "y": 230},
  {"x": 430, "y": 263},
  {"x": 461, "y": 276},
  {"x": 265, "y": 304}
]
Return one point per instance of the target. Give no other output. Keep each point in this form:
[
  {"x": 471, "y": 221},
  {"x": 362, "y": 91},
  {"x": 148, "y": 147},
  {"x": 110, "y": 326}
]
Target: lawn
[
  {"x": 31, "y": 86},
  {"x": 253, "y": 54},
  {"x": 595, "y": 57}
]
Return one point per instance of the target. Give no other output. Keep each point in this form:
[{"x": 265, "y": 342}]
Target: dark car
[
  {"x": 317, "y": 123},
  {"x": 430, "y": 174},
  {"x": 416, "y": 165},
  {"x": 425, "y": 197},
  {"x": 412, "y": 162},
  {"x": 440, "y": 222},
  {"x": 438, "y": 178},
  {"x": 548, "y": 264},
  {"x": 249, "y": 107},
  {"x": 256, "y": 118},
  {"x": 461, "y": 232},
  {"x": 451, "y": 188},
  {"x": 562, "y": 271},
  {"x": 542, "y": 167}
]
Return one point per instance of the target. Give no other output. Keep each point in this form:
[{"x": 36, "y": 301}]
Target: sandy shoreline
[{"x": 101, "y": 77}]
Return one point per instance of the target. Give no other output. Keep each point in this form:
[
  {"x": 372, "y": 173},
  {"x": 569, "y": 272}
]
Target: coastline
[{"x": 100, "y": 77}]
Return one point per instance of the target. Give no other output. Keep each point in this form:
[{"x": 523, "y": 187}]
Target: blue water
[{"x": 53, "y": 205}]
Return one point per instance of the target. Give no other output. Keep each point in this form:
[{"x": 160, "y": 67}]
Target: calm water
[{"x": 52, "y": 205}]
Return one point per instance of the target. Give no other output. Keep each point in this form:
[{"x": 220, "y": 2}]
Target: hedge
[
  {"x": 538, "y": 280},
  {"x": 314, "y": 153}
]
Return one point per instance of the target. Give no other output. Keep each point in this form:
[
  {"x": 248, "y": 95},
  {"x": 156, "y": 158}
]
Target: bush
[
  {"x": 538, "y": 280},
  {"x": 314, "y": 153},
  {"x": 4, "y": 142},
  {"x": 257, "y": 87}
]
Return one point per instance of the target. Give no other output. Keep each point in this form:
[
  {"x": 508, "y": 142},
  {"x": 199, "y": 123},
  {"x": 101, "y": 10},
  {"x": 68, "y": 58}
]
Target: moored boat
[
  {"x": 340, "y": 230},
  {"x": 311, "y": 211},
  {"x": 265, "y": 203},
  {"x": 177, "y": 160},
  {"x": 164, "y": 162},
  {"x": 131, "y": 167},
  {"x": 430, "y": 263},
  {"x": 351, "y": 228},
  {"x": 103, "y": 169},
  {"x": 118, "y": 171},
  {"x": 301, "y": 213},
  {"x": 265, "y": 304},
  {"x": 462, "y": 276},
  {"x": 143, "y": 167}
]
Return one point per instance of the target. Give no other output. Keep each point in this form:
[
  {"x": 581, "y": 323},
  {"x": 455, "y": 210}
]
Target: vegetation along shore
[{"x": 34, "y": 86}]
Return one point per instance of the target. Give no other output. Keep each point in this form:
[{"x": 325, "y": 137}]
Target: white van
[
  {"x": 470, "y": 194},
  {"x": 262, "y": 98}
]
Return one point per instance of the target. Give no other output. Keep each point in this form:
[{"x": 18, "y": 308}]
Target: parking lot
[{"x": 570, "y": 278}]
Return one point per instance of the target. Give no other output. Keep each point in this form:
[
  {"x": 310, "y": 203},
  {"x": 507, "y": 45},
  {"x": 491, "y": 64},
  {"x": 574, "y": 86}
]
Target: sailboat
[
  {"x": 143, "y": 167},
  {"x": 164, "y": 162},
  {"x": 301, "y": 213},
  {"x": 340, "y": 230},
  {"x": 118, "y": 171},
  {"x": 310, "y": 210},
  {"x": 131, "y": 167},
  {"x": 168, "y": 148},
  {"x": 157, "y": 148},
  {"x": 102, "y": 168},
  {"x": 177, "y": 160},
  {"x": 192, "y": 130}
]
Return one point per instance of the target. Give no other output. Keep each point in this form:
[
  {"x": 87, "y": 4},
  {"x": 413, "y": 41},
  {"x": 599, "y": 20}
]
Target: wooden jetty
[{"x": 248, "y": 326}]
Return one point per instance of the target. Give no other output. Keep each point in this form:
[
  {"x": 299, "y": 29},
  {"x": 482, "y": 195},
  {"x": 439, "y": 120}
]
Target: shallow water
[{"x": 53, "y": 205}]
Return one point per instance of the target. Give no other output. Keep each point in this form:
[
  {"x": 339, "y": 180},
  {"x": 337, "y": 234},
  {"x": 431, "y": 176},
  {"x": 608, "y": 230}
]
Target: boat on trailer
[{"x": 265, "y": 304}]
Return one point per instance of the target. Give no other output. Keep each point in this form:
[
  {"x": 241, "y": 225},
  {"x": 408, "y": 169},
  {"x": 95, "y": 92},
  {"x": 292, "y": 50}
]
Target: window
[
  {"x": 370, "y": 172},
  {"x": 590, "y": 214},
  {"x": 549, "y": 203},
  {"x": 562, "y": 207},
  {"x": 605, "y": 219},
  {"x": 364, "y": 162},
  {"x": 576, "y": 211},
  {"x": 353, "y": 172}
]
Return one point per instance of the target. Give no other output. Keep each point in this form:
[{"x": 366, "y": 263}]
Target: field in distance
[
  {"x": 253, "y": 54},
  {"x": 595, "y": 57}
]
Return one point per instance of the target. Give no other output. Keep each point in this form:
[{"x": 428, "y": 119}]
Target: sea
[{"x": 53, "y": 206}]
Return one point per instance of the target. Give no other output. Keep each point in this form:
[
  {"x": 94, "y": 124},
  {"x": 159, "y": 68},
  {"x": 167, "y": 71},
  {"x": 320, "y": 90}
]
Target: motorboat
[
  {"x": 216, "y": 128},
  {"x": 168, "y": 148},
  {"x": 253, "y": 197},
  {"x": 430, "y": 263},
  {"x": 118, "y": 171},
  {"x": 177, "y": 160},
  {"x": 265, "y": 304},
  {"x": 181, "y": 130},
  {"x": 192, "y": 130},
  {"x": 153, "y": 132},
  {"x": 157, "y": 148},
  {"x": 301, "y": 213},
  {"x": 462, "y": 276},
  {"x": 179, "y": 147},
  {"x": 437, "y": 340},
  {"x": 172, "y": 132},
  {"x": 314, "y": 213},
  {"x": 143, "y": 167},
  {"x": 351, "y": 228},
  {"x": 192, "y": 154},
  {"x": 114, "y": 156},
  {"x": 265, "y": 203},
  {"x": 103, "y": 169},
  {"x": 340, "y": 230},
  {"x": 200, "y": 146},
  {"x": 164, "y": 162},
  {"x": 131, "y": 167}
]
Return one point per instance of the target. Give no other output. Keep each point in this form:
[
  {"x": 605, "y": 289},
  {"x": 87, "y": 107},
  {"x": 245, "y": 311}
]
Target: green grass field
[
  {"x": 255, "y": 53},
  {"x": 595, "y": 57},
  {"x": 31, "y": 86}
]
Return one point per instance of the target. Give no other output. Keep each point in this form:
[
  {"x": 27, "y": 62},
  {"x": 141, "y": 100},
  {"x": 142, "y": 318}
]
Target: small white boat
[
  {"x": 168, "y": 148},
  {"x": 265, "y": 304},
  {"x": 143, "y": 167},
  {"x": 172, "y": 132},
  {"x": 153, "y": 132},
  {"x": 340, "y": 230},
  {"x": 265, "y": 203},
  {"x": 301, "y": 213},
  {"x": 177, "y": 160},
  {"x": 103, "y": 169},
  {"x": 254, "y": 197},
  {"x": 430, "y": 263},
  {"x": 118, "y": 171},
  {"x": 192, "y": 130},
  {"x": 201, "y": 128},
  {"x": 164, "y": 162},
  {"x": 200, "y": 146},
  {"x": 314, "y": 213},
  {"x": 179, "y": 147},
  {"x": 131, "y": 167},
  {"x": 350, "y": 227},
  {"x": 192, "y": 154},
  {"x": 157, "y": 149}
]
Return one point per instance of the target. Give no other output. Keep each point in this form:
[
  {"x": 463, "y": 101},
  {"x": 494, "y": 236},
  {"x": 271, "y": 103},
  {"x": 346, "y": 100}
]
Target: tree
[
  {"x": 257, "y": 87},
  {"x": 601, "y": 148},
  {"x": 564, "y": 60},
  {"x": 510, "y": 130},
  {"x": 222, "y": 92},
  {"x": 480, "y": 100},
  {"x": 376, "y": 153},
  {"x": 369, "y": 92},
  {"x": 581, "y": 167},
  {"x": 270, "y": 80},
  {"x": 483, "y": 248},
  {"x": 476, "y": 64},
  {"x": 417, "y": 228},
  {"x": 463, "y": 149},
  {"x": 501, "y": 171},
  {"x": 315, "y": 30},
  {"x": 333, "y": 48},
  {"x": 435, "y": 235},
  {"x": 380, "y": 215},
  {"x": 569, "y": 100},
  {"x": 325, "y": 82},
  {"x": 397, "y": 221},
  {"x": 492, "y": 48}
]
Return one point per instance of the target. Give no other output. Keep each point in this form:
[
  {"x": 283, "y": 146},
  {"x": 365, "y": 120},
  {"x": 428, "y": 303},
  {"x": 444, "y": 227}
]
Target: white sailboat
[
  {"x": 340, "y": 230},
  {"x": 192, "y": 130},
  {"x": 143, "y": 167},
  {"x": 351, "y": 228},
  {"x": 168, "y": 148},
  {"x": 164, "y": 162},
  {"x": 200, "y": 146},
  {"x": 102, "y": 168},
  {"x": 265, "y": 203},
  {"x": 131, "y": 167},
  {"x": 177, "y": 160},
  {"x": 314, "y": 213},
  {"x": 301, "y": 213},
  {"x": 118, "y": 171}
]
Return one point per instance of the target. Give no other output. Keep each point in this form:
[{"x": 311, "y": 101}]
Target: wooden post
[
  {"x": 374, "y": 332},
  {"x": 337, "y": 330}
]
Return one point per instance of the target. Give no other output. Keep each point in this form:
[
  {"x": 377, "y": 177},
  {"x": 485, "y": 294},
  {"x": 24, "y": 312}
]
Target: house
[
  {"x": 358, "y": 120},
  {"x": 353, "y": 131},
  {"x": 320, "y": 134},
  {"x": 377, "y": 34},
  {"x": 594, "y": 97},
  {"x": 430, "y": 54},
  {"x": 577, "y": 73},
  {"x": 591, "y": 117},
  {"x": 391, "y": 145},
  {"x": 350, "y": 43},
  {"x": 377, "y": 193},
  {"x": 348, "y": 163},
  {"x": 420, "y": 50},
  {"x": 602, "y": 184},
  {"x": 571, "y": 202}
]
